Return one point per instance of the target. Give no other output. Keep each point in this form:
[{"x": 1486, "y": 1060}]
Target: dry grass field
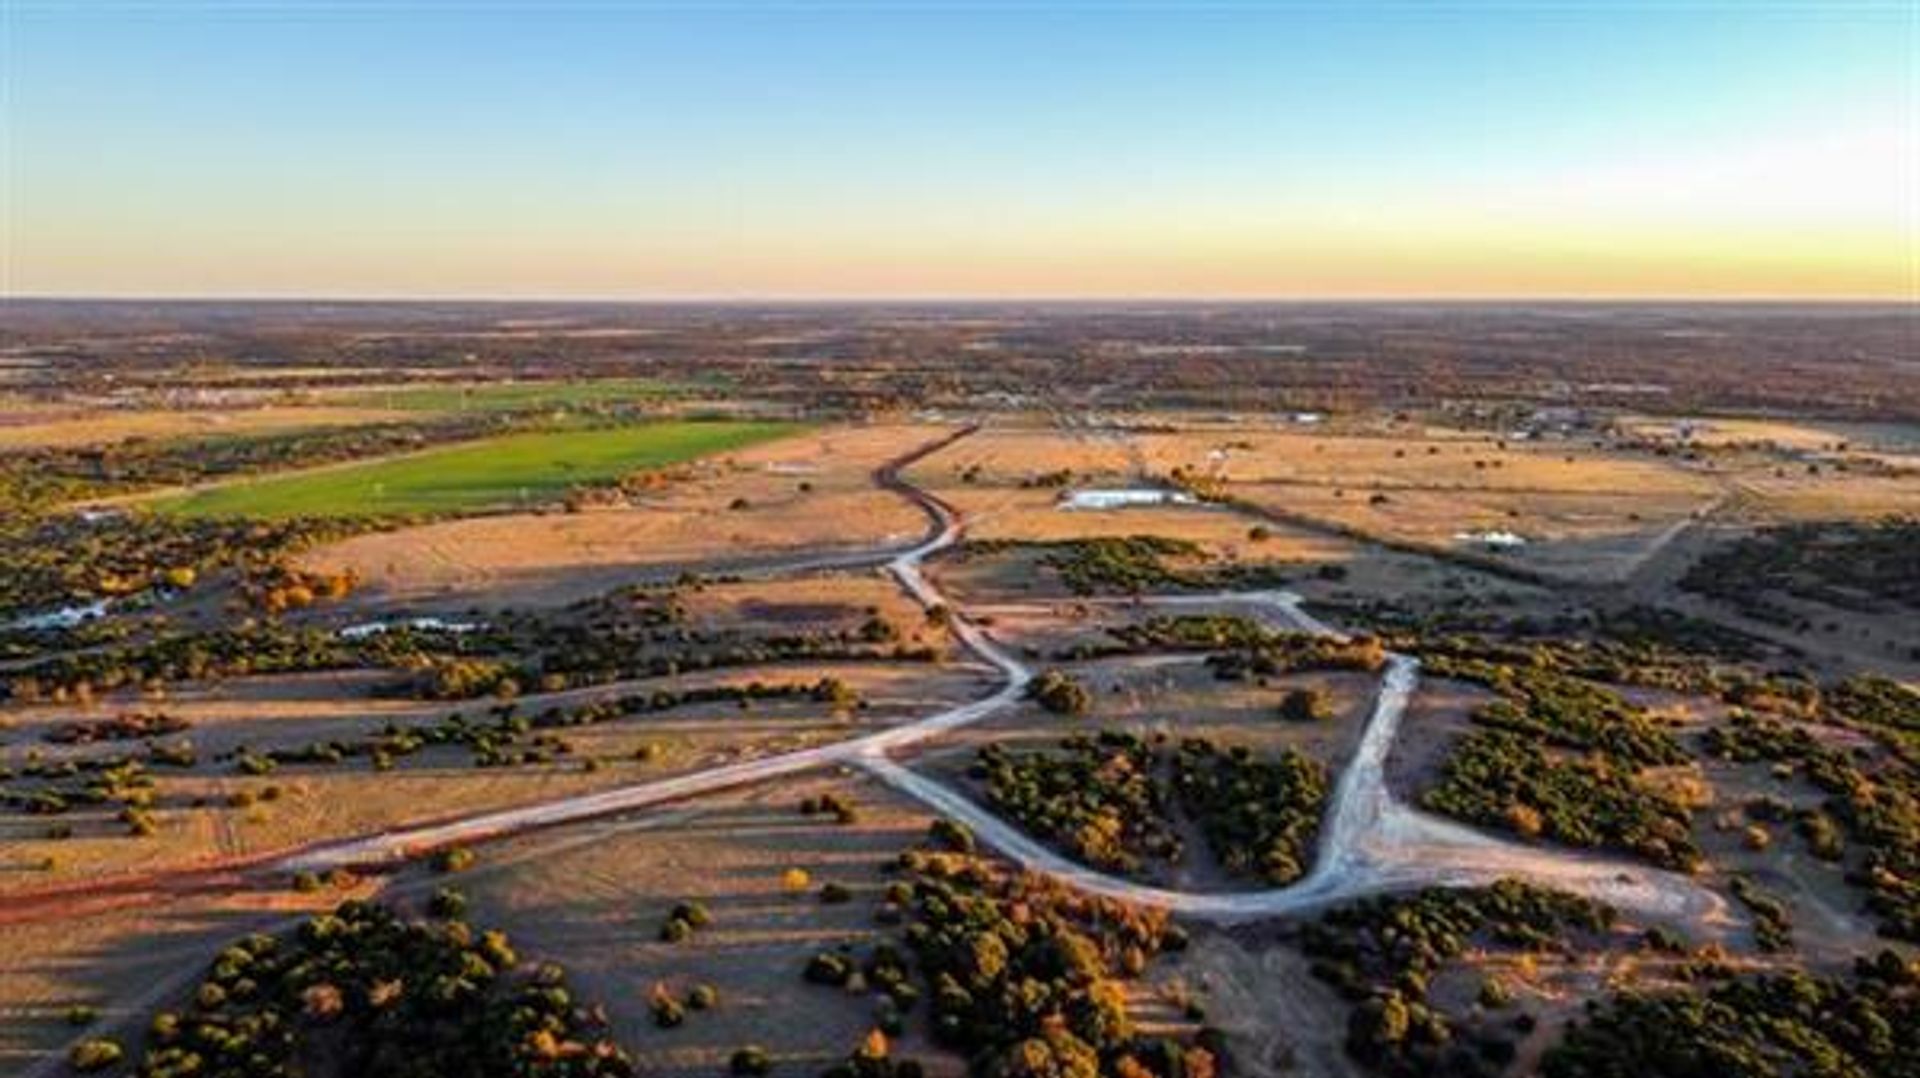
[
  {"x": 593, "y": 898},
  {"x": 746, "y": 507},
  {"x": 60, "y": 427},
  {"x": 1586, "y": 514},
  {"x": 196, "y": 824},
  {"x": 125, "y": 960}
]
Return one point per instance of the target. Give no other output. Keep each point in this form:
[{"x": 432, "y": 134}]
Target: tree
[
  {"x": 94, "y": 1054},
  {"x": 1306, "y": 705},
  {"x": 1060, "y": 693},
  {"x": 751, "y": 1061}
]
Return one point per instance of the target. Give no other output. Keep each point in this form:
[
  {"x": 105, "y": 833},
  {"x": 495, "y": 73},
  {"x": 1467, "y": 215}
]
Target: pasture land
[
  {"x": 197, "y": 820},
  {"x": 518, "y": 469},
  {"x": 593, "y": 896},
  {"x": 519, "y": 396},
  {"x": 798, "y": 494},
  {"x": 36, "y": 427}
]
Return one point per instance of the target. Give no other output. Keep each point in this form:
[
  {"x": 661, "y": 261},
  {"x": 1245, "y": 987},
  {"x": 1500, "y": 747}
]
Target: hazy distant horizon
[{"x": 1887, "y": 302}]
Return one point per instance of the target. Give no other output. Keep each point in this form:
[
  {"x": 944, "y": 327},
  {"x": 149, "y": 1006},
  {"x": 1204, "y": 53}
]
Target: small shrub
[
  {"x": 447, "y": 904},
  {"x": 94, "y": 1054},
  {"x": 751, "y": 1061}
]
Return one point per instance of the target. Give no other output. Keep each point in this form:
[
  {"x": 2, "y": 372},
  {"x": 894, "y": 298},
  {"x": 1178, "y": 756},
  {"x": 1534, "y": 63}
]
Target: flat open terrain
[
  {"x": 622, "y": 698},
  {"x": 517, "y": 469},
  {"x": 31, "y": 427},
  {"x": 516, "y": 396},
  {"x": 805, "y": 494}
]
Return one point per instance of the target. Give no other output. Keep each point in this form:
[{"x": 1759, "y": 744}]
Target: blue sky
[{"x": 612, "y": 149}]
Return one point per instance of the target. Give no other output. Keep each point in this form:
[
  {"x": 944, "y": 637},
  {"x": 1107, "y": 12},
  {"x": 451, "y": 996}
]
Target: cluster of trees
[
  {"x": 34, "y": 480},
  {"x": 1876, "y": 806},
  {"x": 1286, "y": 653},
  {"x": 838, "y": 806},
  {"x": 1772, "y": 924},
  {"x": 507, "y": 736},
  {"x": 1192, "y": 632},
  {"x": 123, "y": 783},
  {"x": 58, "y": 561},
  {"x": 1097, "y": 796},
  {"x": 1560, "y": 757},
  {"x": 1881, "y": 706},
  {"x": 1306, "y": 705},
  {"x": 382, "y": 996},
  {"x": 240, "y": 650},
  {"x": 1245, "y": 648},
  {"x": 132, "y": 726},
  {"x": 1027, "y": 978},
  {"x": 1636, "y": 646},
  {"x": 1872, "y": 567},
  {"x": 1566, "y": 712},
  {"x": 503, "y": 737},
  {"x": 1109, "y": 800},
  {"x": 1260, "y": 816},
  {"x": 1505, "y": 780},
  {"x": 1060, "y": 692},
  {"x": 557, "y": 655},
  {"x": 1133, "y": 565},
  {"x": 1130, "y": 564},
  {"x": 1760, "y": 1027},
  {"x": 280, "y": 588},
  {"x": 683, "y": 920},
  {"x": 443, "y": 664},
  {"x": 1383, "y": 953}
]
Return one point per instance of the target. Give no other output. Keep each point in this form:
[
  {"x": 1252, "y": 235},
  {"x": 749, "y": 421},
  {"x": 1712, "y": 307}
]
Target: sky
[{"x": 599, "y": 149}]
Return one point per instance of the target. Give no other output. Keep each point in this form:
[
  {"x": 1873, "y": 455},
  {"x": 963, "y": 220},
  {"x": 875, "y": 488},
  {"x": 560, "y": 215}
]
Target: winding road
[{"x": 1370, "y": 842}]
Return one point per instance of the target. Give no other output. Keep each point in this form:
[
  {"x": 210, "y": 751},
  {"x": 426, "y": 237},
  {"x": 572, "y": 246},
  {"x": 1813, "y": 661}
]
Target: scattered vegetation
[
  {"x": 1786, "y": 1023},
  {"x": 1867, "y": 567},
  {"x": 1022, "y": 976},
  {"x": 382, "y": 997},
  {"x": 1260, "y": 816},
  {"x": 1383, "y": 953},
  {"x": 1060, "y": 693},
  {"x": 1097, "y": 797}
]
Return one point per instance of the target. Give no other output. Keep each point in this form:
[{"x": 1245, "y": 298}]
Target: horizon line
[{"x": 776, "y": 299}]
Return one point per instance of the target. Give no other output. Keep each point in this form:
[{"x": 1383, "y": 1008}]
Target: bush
[
  {"x": 453, "y": 859},
  {"x": 751, "y": 1061},
  {"x": 667, "y": 1011},
  {"x": 829, "y": 969},
  {"x": 1060, "y": 693},
  {"x": 1306, "y": 705},
  {"x": 703, "y": 997},
  {"x": 404, "y": 996},
  {"x": 447, "y": 904},
  {"x": 94, "y": 1054}
]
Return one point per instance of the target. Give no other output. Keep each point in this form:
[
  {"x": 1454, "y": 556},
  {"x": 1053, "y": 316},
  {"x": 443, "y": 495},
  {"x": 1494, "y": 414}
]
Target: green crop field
[
  {"x": 516, "y": 469},
  {"x": 521, "y": 396}
]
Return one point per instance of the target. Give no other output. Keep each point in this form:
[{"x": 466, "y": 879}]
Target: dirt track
[{"x": 1370, "y": 841}]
